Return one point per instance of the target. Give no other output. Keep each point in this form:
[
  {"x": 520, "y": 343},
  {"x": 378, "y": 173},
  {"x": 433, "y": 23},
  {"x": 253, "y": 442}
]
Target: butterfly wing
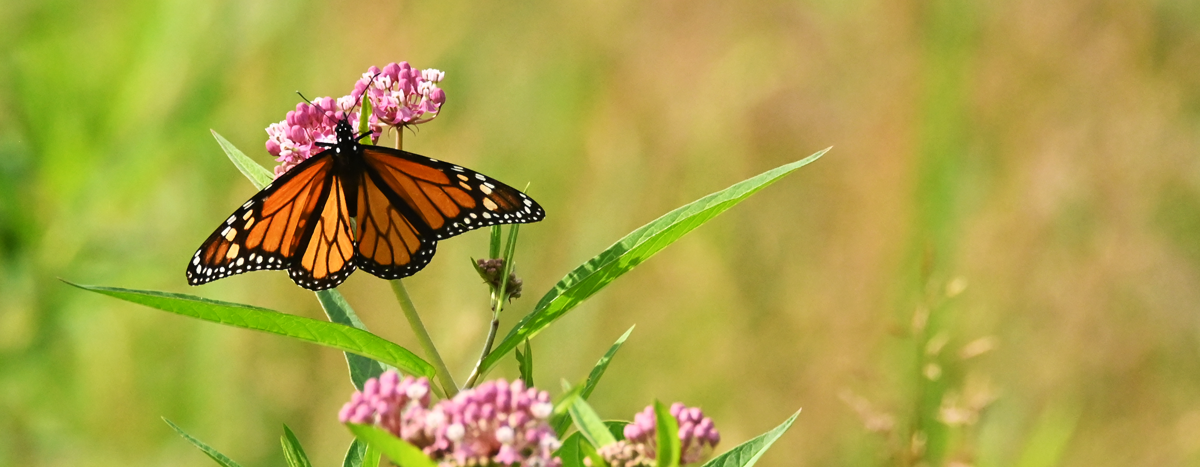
[
  {"x": 442, "y": 199},
  {"x": 389, "y": 245},
  {"x": 326, "y": 258},
  {"x": 276, "y": 224}
]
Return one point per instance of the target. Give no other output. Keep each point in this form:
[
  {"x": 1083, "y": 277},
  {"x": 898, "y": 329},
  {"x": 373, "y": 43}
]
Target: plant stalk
[
  {"x": 414, "y": 321},
  {"x": 487, "y": 349}
]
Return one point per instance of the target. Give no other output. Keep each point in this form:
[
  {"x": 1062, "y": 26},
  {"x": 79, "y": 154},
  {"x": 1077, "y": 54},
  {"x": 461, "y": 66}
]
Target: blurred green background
[{"x": 1010, "y": 214}]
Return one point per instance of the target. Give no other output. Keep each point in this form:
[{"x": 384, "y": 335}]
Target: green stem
[
  {"x": 487, "y": 349},
  {"x": 499, "y": 297},
  {"x": 414, "y": 320}
]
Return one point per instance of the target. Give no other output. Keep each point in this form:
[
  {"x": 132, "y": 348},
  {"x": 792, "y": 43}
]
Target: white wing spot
[{"x": 480, "y": 177}]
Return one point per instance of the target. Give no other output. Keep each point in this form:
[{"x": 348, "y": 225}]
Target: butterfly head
[{"x": 343, "y": 130}]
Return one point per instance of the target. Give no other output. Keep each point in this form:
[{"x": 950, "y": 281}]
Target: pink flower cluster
[
  {"x": 399, "y": 94},
  {"x": 639, "y": 449},
  {"x": 295, "y": 138},
  {"x": 495, "y": 423}
]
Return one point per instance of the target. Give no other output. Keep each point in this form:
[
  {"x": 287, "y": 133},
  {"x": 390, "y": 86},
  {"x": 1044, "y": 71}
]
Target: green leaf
[
  {"x": 354, "y": 454},
  {"x": 525, "y": 364},
  {"x": 560, "y": 424},
  {"x": 575, "y": 449},
  {"x": 494, "y": 244},
  {"x": 338, "y": 336},
  {"x": 364, "y": 114},
  {"x": 569, "y": 452},
  {"x": 629, "y": 252},
  {"x": 560, "y": 417},
  {"x": 602, "y": 365},
  {"x": 212, "y": 453},
  {"x": 257, "y": 174},
  {"x": 746, "y": 454},
  {"x": 617, "y": 428},
  {"x": 372, "y": 457},
  {"x": 293, "y": 452},
  {"x": 590, "y": 424},
  {"x": 589, "y": 451},
  {"x": 667, "y": 431},
  {"x": 398, "y": 450},
  {"x": 510, "y": 250},
  {"x": 339, "y": 311}
]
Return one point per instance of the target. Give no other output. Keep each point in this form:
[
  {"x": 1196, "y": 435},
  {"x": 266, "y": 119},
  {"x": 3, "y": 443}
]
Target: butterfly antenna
[{"x": 306, "y": 99}]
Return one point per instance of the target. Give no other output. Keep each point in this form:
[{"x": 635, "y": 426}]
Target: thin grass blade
[{"x": 206, "y": 449}]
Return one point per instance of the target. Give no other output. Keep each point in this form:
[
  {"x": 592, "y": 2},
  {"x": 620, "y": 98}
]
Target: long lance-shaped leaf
[
  {"x": 338, "y": 336},
  {"x": 293, "y": 452},
  {"x": 747, "y": 453},
  {"x": 629, "y": 252},
  {"x": 257, "y": 174},
  {"x": 206, "y": 449},
  {"x": 335, "y": 306},
  {"x": 338, "y": 311},
  {"x": 590, "y": 424},
  {"x": 561, "y": 423}
]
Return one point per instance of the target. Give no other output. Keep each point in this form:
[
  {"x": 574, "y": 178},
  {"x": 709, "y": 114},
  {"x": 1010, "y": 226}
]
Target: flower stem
[
  {"x": 499, "y": 297},
  {"x": 487, "y": 349},
  {"x": 414, "y": 321}
]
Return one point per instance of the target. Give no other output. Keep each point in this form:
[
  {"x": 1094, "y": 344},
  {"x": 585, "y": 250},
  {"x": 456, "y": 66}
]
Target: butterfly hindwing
[
  {"x": 389, "y": 245},
  {"x": 326, "y": 258},
  {"x": 267, "y": 231},
  {"x": 446, "y": 199}
]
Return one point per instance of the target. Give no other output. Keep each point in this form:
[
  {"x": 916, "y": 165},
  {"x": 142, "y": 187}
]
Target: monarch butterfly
[{"x": 401, "y": 203}]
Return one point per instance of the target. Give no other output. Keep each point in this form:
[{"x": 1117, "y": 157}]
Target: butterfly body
[{"x": 355, "y": 206}]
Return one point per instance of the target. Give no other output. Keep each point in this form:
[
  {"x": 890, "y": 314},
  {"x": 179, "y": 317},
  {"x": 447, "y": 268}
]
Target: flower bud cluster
[
  {"x": 697, "y": 437},
  {"x": 497, "y": 423},
  {"x": 491, "y": 270},
  {"x": 400, "y": 94}
]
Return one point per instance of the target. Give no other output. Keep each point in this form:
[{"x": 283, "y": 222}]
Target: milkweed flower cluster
[
  {"x": 697, "y": 437},
  {"x": 496, "y": 423},
  {"x": 399, "y": 94}
]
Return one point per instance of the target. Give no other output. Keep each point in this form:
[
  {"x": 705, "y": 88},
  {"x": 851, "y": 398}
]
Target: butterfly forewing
[
  {"x": 267, "y": 230},
  {"x": 447, "y": 199}
]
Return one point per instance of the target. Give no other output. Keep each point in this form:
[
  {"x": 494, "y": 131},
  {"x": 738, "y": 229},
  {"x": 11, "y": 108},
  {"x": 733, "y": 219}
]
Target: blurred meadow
[{"x": 997, "y": 264}]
